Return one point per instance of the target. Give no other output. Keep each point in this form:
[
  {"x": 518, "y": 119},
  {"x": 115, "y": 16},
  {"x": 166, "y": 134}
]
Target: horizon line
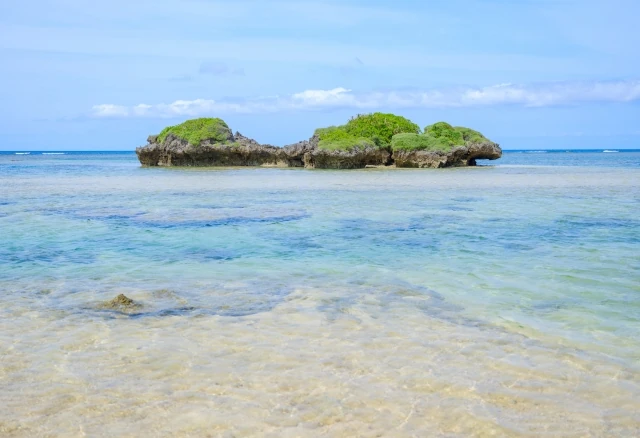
[{"x": 503, "y": 149}]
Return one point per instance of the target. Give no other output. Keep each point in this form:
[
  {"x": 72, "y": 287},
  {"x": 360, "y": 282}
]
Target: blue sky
[{"x": 101, "y": 75}]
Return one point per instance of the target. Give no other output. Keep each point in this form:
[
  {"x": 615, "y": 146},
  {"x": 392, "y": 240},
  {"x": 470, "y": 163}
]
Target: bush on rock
[
  {"x": 376, "y": 129},
  {"x": 471, "y": 136},
  {"x": 196, "y": 131}
]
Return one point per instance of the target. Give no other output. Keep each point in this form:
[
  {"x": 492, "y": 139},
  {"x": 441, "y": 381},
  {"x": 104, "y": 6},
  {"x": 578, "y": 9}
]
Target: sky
[{"x": 529, "y": 74}]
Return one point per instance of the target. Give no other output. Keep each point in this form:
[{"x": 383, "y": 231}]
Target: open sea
[{"x": 500, "y": 300}]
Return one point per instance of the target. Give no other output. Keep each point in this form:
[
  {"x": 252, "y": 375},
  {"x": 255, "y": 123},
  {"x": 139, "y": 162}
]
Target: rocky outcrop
[
  {"x": 356, "y": 158},
  {"x": 239, "y": 150},
  {"x": 295, "y": 153},
  {"x": 121, "y": 303},
  {"x": 307, "y": 154},
  {"x": 482, "y": 151},
  {"x": 459, "y": 156}
]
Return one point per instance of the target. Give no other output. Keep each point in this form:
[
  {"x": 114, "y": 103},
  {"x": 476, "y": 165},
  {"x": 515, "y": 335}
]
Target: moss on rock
[{"x": 196, "y": 131}]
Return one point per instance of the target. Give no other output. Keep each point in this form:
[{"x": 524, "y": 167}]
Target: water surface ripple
[{"x": 490, "y": 301}]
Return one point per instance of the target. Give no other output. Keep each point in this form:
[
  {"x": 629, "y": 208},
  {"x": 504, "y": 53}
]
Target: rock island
[{"x": 376, "y": 139}]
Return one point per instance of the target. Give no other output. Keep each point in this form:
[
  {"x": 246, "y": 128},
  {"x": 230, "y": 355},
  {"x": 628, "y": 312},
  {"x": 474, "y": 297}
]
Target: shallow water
[{"x": 489, "y": 301}]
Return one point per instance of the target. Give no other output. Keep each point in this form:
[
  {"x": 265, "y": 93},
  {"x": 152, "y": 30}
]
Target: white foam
[
  {"x": 23, "y": 153},
  {"x": 610, "y": 150}
]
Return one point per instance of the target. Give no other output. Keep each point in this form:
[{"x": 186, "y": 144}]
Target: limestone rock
[
  {"x": 357, "y": 158},
  {"x": 457, "y": 157},
  {"x": 241, "y": 151},
  {"x": 121, "y": 302},
  {"x": 294, "y": 153},
  {"x": 218, "y": 146}
]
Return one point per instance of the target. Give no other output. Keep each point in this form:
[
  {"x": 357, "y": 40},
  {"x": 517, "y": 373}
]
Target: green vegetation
[
  {"x": 333, "y": 133},
  {"x": 346, "y": 144},
  {"x": 443, "y": 130},
  {"x": 418, "y": 142},
  {"x": 376, "y": 129},
  {"x": 337, "y": 138},
  {"x": 380, "y": 127},
  {"x": 398, "y": 133},
  {"x": 197, "y": 130},
  {"x": 440, "y": 136},
  {"x": 381, "y": 130},
  {"x": 469, "y": 135}
]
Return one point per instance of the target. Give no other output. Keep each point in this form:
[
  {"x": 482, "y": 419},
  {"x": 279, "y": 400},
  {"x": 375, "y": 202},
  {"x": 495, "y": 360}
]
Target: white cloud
[
  {"x": 313, "y": 98},
  {"x": 538, "y": 95},
  {"x": 553, "y": 93},
  {"x": 108, "y": 110}
]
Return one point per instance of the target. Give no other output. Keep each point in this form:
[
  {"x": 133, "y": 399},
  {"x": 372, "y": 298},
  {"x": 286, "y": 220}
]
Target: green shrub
[
  {"x": 337, "y": 138},
  {"x": 375, "y": 129},
  {"x": 379, "y": 127},
  {"x": 197, "y": 130},
  {"x": 333, "y": 133},
  {"x": 471, "y": 136},
  {"x": 346, "y": 144},
  {"x": 445, "y": 131},
  {"x": 440, "y": 136},
  {"x": 419, "y": 142}
]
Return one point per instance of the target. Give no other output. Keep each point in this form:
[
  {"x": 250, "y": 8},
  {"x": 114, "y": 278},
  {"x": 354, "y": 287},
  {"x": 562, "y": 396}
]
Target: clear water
[{"x": 488, "y": 301}]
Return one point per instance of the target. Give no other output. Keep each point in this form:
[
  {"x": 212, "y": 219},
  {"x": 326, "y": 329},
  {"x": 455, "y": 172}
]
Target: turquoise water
[{"x": 497, "y": 300}]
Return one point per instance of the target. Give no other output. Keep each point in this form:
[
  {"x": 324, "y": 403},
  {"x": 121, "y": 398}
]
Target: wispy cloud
[{"x": 536, "y": 95}]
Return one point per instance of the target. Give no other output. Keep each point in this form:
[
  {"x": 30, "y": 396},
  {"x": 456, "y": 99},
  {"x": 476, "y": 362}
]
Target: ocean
[{"x": 499, "y": 300}]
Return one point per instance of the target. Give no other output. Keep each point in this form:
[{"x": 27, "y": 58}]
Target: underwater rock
[{"x": 121, "y": 302}]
